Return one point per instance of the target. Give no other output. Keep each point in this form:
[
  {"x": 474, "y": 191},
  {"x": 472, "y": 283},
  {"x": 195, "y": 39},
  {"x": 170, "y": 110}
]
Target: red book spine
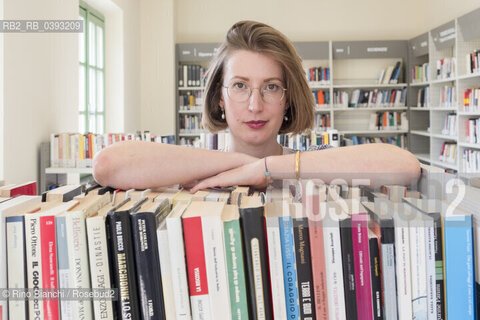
[
  {"x": 49, "y": 265},
  {"x": 361, "y": 259},
  {"x": 195, "y": 253},
  {"x": 27, "y": 190}
]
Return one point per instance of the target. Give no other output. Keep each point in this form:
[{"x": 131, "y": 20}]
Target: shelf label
[
  {"x": 423, "y": 44},
  {"x": 378, "y": 49},
  {"x": 443, "y": 39},
  {"x": 186, "y": 52},
  {"x": 340, "y": 50},
  {"x": 447, "y": 32}
]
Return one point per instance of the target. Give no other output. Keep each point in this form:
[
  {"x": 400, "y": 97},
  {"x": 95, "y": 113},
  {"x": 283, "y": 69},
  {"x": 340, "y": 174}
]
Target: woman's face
[{"x": 253, "y": 121}]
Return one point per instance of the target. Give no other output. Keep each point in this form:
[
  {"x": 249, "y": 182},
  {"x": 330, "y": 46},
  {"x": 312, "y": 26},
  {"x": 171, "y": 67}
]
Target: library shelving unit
[
  {"x": 441, "y": 118},
  {"x": 352, "y": 65}
]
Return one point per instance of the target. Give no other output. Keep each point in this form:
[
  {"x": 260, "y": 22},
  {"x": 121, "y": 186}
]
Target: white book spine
[
  {"x": 430, "y": 269},
  {"x": 78, "y": 261},
  {"x": 333, "y": 266},
  {"x": 16, "y": 266},
  {"x": 99, "y": 265},
  {"x": 402, "y": 266},
  {"x": 34, "y": 265},
  {"x": 167, "y": 284},
  {"x": 418, "y": 269},
  {"x": 63, "y": 273},
  {"x": 201, "y": 307},
  {"x": 178, "y": 267},
  {"x": 389, "y": 284},
  {"x": 216, "y": 268},
  {"x": 276, "y": 268}
]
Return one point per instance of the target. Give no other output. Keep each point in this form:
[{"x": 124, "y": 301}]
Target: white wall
[
  {"x": 442, "y": 11},
  {"x": 158, "y": 66},
  {"x": 40, "y": 87}
]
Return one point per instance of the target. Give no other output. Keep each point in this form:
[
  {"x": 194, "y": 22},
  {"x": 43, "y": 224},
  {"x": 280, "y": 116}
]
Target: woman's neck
[{"x": 261, "y": 151}]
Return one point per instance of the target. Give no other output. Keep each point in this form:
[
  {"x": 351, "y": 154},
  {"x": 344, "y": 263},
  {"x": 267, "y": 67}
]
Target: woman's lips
[{"x": 256, "y": 124}]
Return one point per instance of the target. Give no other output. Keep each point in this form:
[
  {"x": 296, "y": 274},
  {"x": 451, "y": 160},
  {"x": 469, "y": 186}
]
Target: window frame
[{"x": 90, "y": 15}]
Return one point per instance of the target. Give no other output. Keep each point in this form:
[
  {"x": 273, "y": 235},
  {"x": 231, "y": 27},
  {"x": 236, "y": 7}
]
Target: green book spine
[{"x": 235, "y": 269}]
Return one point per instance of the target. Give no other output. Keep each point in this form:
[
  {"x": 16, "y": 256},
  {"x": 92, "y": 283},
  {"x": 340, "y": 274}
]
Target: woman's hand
[{"x": 251, "y": 174}]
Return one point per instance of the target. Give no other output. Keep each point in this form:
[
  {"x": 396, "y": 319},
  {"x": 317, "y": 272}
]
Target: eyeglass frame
[{"x": 259, "y": 90}]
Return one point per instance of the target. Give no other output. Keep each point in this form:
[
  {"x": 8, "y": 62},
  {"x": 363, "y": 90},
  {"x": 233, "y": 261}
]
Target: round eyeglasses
[{"x": 241, "y": 92}]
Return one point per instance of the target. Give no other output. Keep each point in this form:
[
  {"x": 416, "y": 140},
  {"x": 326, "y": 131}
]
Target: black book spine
[
  {"x": 123, "y": 264},
  {"x": 304, "y": 268},
  {"x": 376, "y": 279},
  {"x": 439, "y": 283},
  {"x": 348, "y": 268},
  {"x": 147, "y": 260},
  {"x": 255, "y": 244},
  {"x": 72, "y": 194}
]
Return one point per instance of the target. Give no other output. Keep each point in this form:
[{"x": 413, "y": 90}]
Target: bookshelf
[{"x": 451, "y": 43}]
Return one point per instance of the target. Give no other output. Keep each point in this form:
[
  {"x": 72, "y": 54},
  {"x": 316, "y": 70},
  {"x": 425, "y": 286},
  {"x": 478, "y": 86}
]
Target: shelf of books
[
  {"x": 342, "y": 253},
  {"x": 444, "y": 76}
]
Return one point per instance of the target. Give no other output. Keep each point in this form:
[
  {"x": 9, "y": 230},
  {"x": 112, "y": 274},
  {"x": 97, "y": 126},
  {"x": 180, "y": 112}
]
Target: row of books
[
  {"x": 371, "y": 98},
  {"x": 388, "y": 121},
  {"x": 322, "y": 97},
  {"x": 446, "y": 68},
  {"x": 191, "y": 99},
  {"x": 304, "y": 141},
  {"x": 207, "y": 140},
  {"x": 450, "y": 124},
  {"x": 448, "y": 152},
  {"x": 190, "y": 123},
  {"x": 322, "y": 121},
  {"x": 472, "y": 130},
  {"x": 423, "y": 97},
  {"x": 191, "y": 75},
  {"x": 420, "y": 73},
  {"x": 471, "y": 98},
  {"x": 470, "y": 161},
  {"x": 399, "y": 140},
  {"x": 76, "y": 150},
  {"x": 448, "y": 97},
  {"x": 391, "y": 75},
  {"x": 472, "y": 60},
  {"x": 318, "y": 75}
]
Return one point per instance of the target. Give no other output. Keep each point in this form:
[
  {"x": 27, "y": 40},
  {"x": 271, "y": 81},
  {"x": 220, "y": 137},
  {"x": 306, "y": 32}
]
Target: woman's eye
[
  {"x": 272, "y": 87},
  {"x": 239, "y": 85}
]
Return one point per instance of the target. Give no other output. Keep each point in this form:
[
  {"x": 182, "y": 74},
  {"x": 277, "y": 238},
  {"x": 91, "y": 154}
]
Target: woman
[{"x": 256, "y": 87}]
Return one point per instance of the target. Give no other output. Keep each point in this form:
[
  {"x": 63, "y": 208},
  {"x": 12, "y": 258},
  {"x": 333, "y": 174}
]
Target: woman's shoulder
[{"x": 287, "y": 150}]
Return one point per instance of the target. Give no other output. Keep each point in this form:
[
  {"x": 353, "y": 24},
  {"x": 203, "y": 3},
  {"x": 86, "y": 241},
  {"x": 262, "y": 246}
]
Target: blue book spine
[
  {"x": 459, "y": 269},
  {"x": 289, "y": 267}
]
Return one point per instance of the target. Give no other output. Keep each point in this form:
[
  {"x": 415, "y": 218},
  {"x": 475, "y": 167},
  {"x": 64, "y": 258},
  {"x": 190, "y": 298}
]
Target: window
[{"x": 91, "y": 105}]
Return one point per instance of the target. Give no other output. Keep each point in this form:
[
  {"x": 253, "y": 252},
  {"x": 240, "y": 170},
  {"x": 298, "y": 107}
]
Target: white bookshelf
[{"x": 454, "y": 39}]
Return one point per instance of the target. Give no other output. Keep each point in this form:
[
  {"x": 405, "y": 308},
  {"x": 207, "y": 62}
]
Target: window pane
[
  {"x": 100, "y": 123},
  {"x": 99, "y": 47},
  {"x": 91, "y": 123},
  {"x": 81, "y": 123},
  {"x": 92, "y": 105},
  {"x": 81, "y": 43},
  {"x": 81, "y": 88},
  {"x": 100, "y": 98},
  {"x": 91, "y": 43}
]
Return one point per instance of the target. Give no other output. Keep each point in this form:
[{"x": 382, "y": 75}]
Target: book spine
[
  {"x": 430, "y": 268},
  {"x": 148, "y": 265},
  {"x": 362, "y": 266},
  {"x": 168, "y": 292},
  {"x": 418, "y": 270},
  {"x": 119, "y": 235},
  {"x": 99, "y": 265},
  {"x": 387, "y": 253},
  {"x": 318, "y": 269},
  {"x": 49, "y": 265},
  {"x": 348, "y": 268},
  {"x": 34, "y": 266},
  {"x": 212, "y": 228},
  {"x": 376, "y": 279},
  {"x": 178, "y": 268},
  {"x": 236, "y": 271},
  {"x": 402, "y": 267},
  {"x": 289, "y": 268},
  {"x": 439, "y": 266},
  {"x": 196, "y": 268},
  {"x": 63, "y": 272},
  {"x": 15, "y": 233},
  {"x": 255, "y": 244},
  {"x": 304, "y": 268},
  {"x": 459, "y": 267}
]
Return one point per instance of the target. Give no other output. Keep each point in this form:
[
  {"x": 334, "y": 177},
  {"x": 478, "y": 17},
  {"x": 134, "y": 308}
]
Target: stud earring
[
  {"x": 285, "y": 118},
  {"x": 223, "y": 114}
]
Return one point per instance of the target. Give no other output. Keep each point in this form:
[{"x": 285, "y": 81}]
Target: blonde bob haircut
[{"x": 261, "y": 38}]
